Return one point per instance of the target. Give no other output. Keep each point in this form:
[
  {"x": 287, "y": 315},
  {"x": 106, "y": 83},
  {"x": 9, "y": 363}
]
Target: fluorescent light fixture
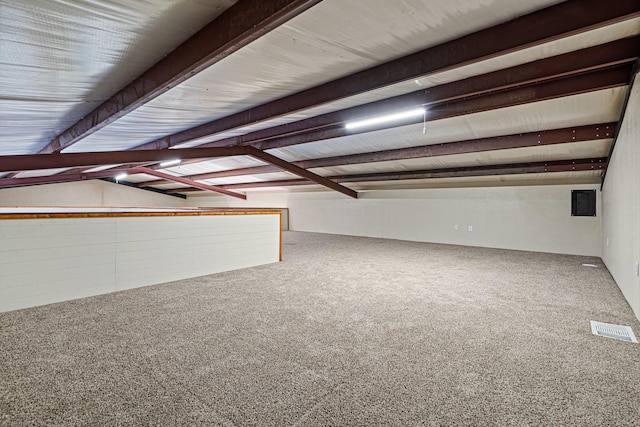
[
  {"x": 121, "y": 176},
  {"x": 168, "y": 163},
  {"x": 388, "y": 118}
]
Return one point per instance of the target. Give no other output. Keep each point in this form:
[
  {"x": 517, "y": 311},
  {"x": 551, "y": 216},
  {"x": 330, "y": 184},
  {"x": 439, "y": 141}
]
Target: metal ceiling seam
[
  {"x": 552, "y": 23},
  {"x": 241, "y": 24}
]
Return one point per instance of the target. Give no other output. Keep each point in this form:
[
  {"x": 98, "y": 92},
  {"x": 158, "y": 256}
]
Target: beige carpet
[{"x": 346, "y": 331}]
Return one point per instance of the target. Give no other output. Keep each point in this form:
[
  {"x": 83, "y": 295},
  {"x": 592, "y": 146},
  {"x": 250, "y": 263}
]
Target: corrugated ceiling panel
[
  {"x": 319, "y": 45},
  {"x": 76, "y": 54}
]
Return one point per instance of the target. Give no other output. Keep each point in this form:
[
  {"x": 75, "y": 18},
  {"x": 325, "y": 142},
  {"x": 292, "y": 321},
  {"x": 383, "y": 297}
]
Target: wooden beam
[{"x": 242, "y": 23}]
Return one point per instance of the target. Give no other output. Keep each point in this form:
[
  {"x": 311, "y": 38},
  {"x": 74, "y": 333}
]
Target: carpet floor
[{"x": 345, "y": 331}]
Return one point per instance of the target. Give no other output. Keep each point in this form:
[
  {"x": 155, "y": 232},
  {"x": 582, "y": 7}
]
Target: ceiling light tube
[
  {"x": 168, "y": 163},
  {"x": 121, "y": 176},
  {"x": 388, "y": 118}
]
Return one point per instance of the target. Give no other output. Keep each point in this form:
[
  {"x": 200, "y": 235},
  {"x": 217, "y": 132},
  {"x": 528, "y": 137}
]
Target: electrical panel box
[{"x": 583, "y": 202}]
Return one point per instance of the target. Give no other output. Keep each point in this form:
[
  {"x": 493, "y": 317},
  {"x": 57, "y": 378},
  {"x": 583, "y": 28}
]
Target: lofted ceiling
[{"x": 255, "y": 95}]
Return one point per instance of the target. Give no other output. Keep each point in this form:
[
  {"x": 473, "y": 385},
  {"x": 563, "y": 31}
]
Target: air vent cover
[{"x": 624, "y": 333}]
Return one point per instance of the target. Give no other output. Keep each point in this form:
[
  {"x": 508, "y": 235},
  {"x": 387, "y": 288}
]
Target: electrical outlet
[
  {"x": 637, "y": 269},
  {"x": 607, "y": 241},
  {"x": 471, "y": 228},
  {"x": 455, "y": 227}
]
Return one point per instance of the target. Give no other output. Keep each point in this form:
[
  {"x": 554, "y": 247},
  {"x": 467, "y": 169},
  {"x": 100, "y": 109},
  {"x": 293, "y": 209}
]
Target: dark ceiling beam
[
  {"x": 25, "y": 162},
  {"x": 603, "y": 56},
  {"x": 568, "y": 86},
  {"x": 184, "y": 190},
  {"x": 504, "y": 142},
  {"x": 574, "y": 165},
  {"x": 125, "y": 166},
  {"x": 552, "y": 23},
  {"x": 242, "y": 23},
  {"x": 151, "y": 189},
  {"x": 186, "y": 181},
  {"x": 254, "y": 170},
  {"x": 53, "y": 179},
  {"x": 297, "y": 170},
  {"x": 110, "y": 175}
]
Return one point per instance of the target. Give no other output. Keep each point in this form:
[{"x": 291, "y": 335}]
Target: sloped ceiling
[{"x": 513, "y": 91}]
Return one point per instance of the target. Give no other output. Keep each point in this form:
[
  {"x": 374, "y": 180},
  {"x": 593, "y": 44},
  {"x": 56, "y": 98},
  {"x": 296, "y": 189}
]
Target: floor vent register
[{"x": 624, "y": 333}]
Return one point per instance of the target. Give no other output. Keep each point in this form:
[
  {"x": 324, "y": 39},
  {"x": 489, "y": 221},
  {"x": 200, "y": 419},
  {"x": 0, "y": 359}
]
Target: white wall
[
  {"x": 50, "y": 260},
  {"x": 536, "y": 218},
  {"x": 85, "y": 193},
  {"x": 259, "y": 199},
  {"x": 271, "y": 199},
  {"x": 621, "y": 203}
]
